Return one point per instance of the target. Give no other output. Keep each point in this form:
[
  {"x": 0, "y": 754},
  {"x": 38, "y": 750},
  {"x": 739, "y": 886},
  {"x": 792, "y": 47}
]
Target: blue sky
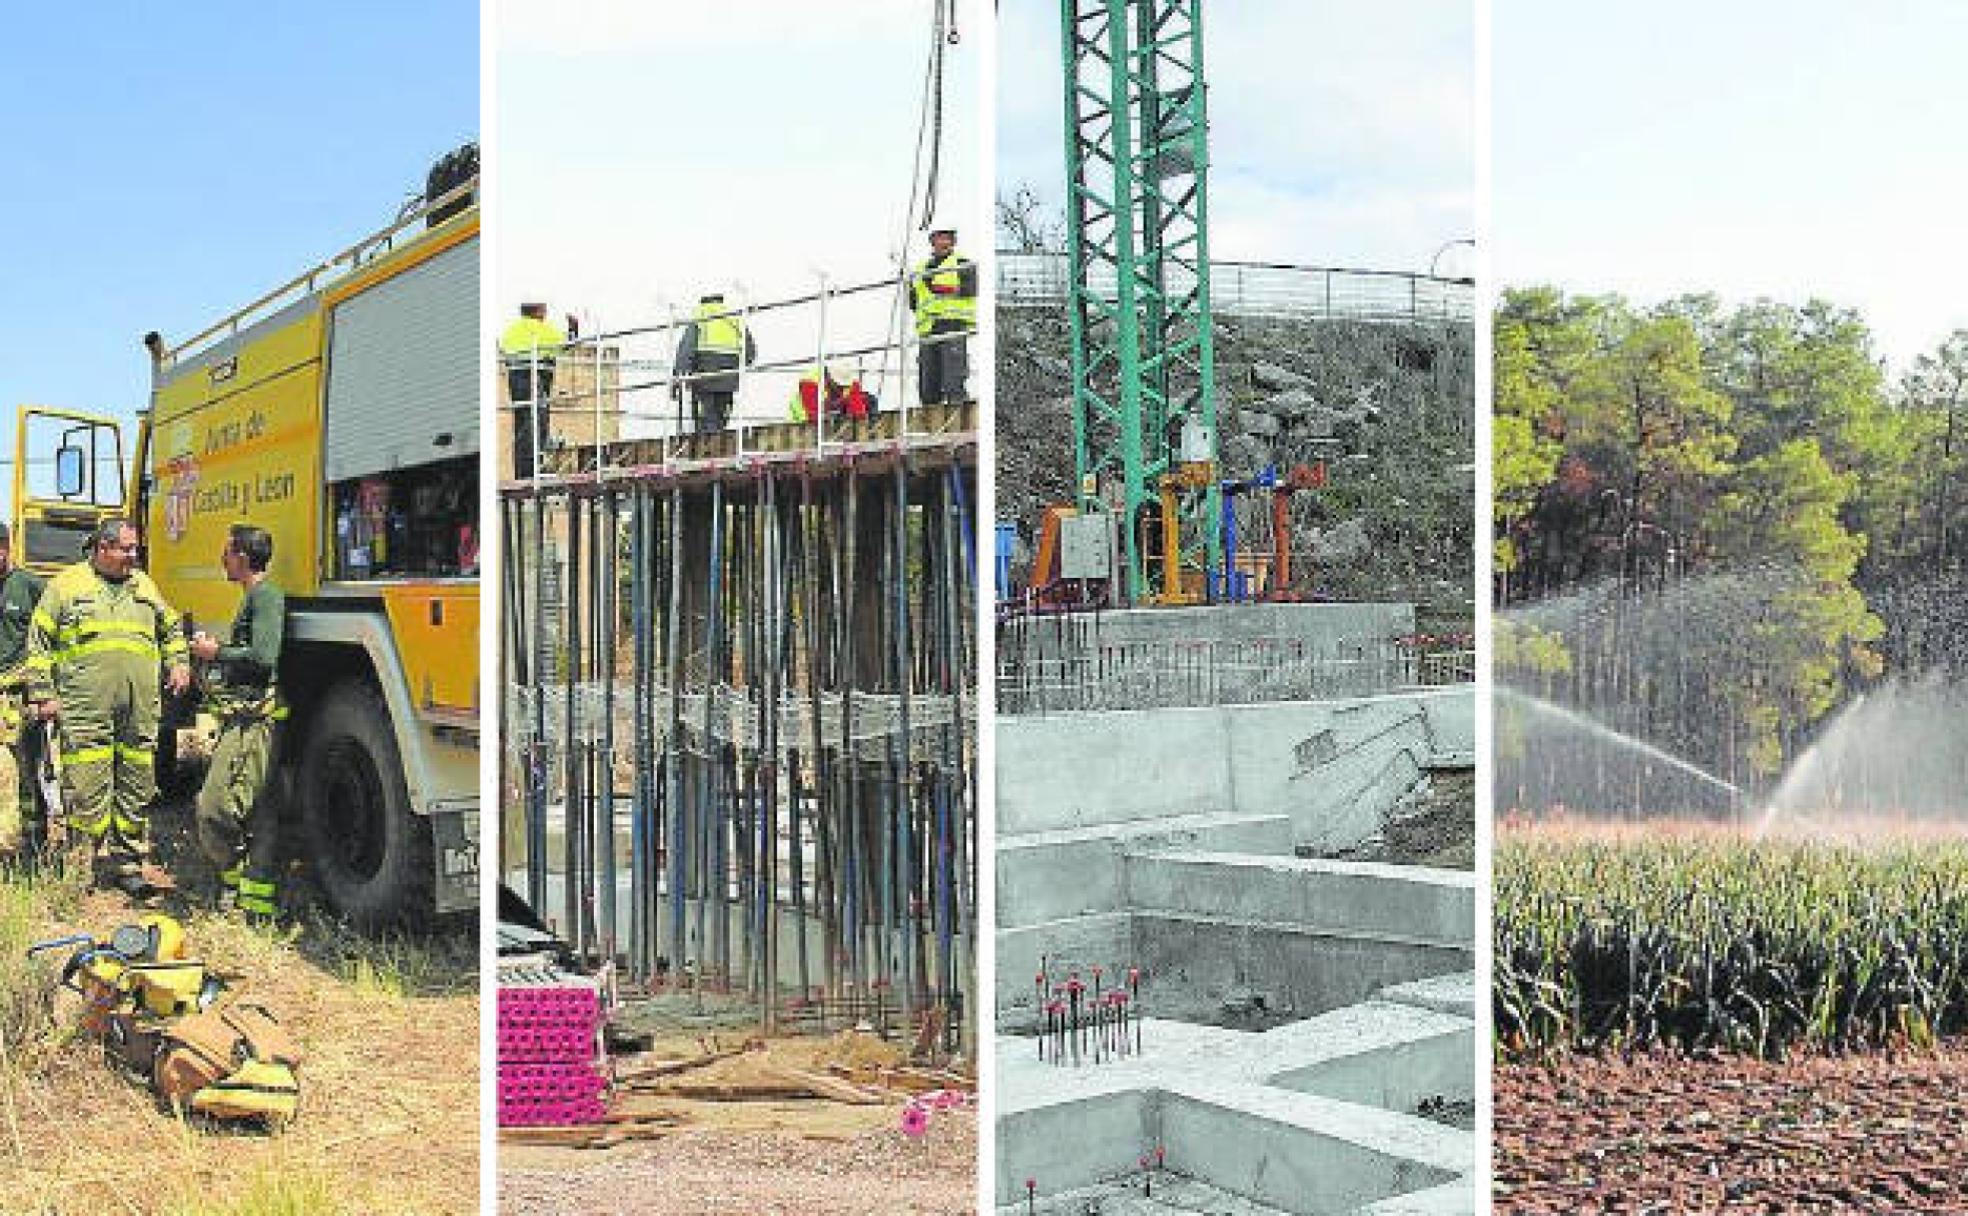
[
  {"x": 166, "y": 164},
  {"x": 647, "y": 153},
  {"x": 1784, "y": 150},
  {"x": 1342, "y": 133}
]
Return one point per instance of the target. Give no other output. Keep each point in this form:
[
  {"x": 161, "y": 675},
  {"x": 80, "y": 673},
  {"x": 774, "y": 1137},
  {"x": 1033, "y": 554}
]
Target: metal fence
[
  {"x": 1267, "y": 289},
  {"x": 1038, "y": 675}
]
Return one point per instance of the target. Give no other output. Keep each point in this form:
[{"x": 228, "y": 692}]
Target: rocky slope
[{"x": 1390, "y": 408}]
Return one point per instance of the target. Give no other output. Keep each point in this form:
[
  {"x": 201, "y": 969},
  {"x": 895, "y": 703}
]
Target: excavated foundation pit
[{"x": 1306, "y": 1026}]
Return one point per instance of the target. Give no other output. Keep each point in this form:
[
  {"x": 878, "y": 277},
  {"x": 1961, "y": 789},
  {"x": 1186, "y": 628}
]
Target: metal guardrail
[
  {"x": 306, "y": 283},
  {"x": 1267, "y": 289}
]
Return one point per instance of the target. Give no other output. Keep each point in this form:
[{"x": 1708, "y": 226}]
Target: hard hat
[
  {"x": 841, "y": 373},
  {"x": 949, "y": 232},
  {"x": 168, "y": 935}
]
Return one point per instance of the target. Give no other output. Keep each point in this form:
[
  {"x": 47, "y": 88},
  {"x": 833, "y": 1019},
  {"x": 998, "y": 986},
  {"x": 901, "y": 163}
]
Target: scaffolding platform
[{"x": 927, "y": 436}]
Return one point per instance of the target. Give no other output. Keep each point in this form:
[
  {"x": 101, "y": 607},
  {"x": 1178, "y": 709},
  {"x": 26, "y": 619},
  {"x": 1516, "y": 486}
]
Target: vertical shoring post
[
  {"x": 859, "y": 880},
  {"x": 654, "y": 832},
  {"x": 715, "y": 894},
  {"x": 889, "y": 789},
  {"x": 592, "y": 790},
  {"x": 747, "y": 593},
  {"x": 643, "y": 746},
  {"x": 829, "y": 825},
  {"x": 536, "y": 760},
  {"x": 673, "y": 749},
  {"x": 768, "y": 768},
  {"x": 611, "y": 620},
  {"x": 809, "y": 635},
  {"x": 517, "y": 672},
  {"x": 964, "y": 865},
  {"x": 571, "y": 783},
  {"x": 945, "y": 856},
  {"x": 719, "y": 754},
  {"x": 854, "y": 867},
  {"x": 904, "y": 769}
]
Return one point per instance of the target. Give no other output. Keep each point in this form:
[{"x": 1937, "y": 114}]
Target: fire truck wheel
[{"x": 370, "y": 854}]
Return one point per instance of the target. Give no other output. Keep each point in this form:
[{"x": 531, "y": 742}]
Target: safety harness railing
[{"x": 619, "y": 382}]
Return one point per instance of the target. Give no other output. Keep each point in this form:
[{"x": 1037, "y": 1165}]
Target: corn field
[{"x": 1715, "y": 942}]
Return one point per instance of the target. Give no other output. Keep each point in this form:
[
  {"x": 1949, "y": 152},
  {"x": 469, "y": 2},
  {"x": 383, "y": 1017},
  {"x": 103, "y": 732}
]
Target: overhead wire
[{"x": 925, "y": 172}]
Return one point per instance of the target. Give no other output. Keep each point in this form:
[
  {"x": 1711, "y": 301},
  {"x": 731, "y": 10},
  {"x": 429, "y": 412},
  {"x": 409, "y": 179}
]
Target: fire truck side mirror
[{"x": 70, "y": 471}]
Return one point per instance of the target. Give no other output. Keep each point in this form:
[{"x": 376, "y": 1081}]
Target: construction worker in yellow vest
[
  {"x": 237, "y": 819},
  {"x": 101, "y": 640},
  {"x": 714, "y": 346},
  {"x": 23, "y": 821},
  {"x": 529, "y": 348},
  {"x": 943, "y": 295}
]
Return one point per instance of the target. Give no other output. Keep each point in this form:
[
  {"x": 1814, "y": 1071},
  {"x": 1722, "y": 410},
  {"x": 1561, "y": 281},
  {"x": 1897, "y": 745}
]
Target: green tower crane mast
[{"x": 1144, "y": 375}]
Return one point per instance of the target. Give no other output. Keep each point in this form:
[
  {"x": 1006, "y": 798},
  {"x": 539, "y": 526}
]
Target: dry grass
[{"x": 389, "y": 1091}]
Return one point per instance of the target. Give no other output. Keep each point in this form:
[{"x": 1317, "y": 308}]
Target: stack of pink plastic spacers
[{"x": 550, "y": 1053}]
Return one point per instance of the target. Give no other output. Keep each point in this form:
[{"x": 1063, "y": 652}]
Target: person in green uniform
[
  {"x": 238, "y": 819},
  {"x": 99, "y": 642},
  {"x": 23, "y": 820}
]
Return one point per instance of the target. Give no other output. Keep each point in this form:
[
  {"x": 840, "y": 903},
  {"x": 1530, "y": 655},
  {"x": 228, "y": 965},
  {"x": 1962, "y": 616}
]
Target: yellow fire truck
[{"x": 340, "y": 413}]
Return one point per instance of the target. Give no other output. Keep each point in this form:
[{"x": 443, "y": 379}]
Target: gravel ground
[
  {"x": 875, "y": 1172},
  {"x": 1880, "y": 1132}
]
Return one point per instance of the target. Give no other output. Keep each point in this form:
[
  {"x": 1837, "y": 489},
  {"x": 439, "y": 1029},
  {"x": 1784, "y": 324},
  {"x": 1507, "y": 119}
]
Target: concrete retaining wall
[
  {"x": 1305, "y": 1154},
  {"x": 1333, "y": 766},
  {"x": 1047, "y": 875},
  {"x": 1201, "y": 965},
  {"x": 1359, "y": 899},
  {"x": 1063, "y": 1145}
]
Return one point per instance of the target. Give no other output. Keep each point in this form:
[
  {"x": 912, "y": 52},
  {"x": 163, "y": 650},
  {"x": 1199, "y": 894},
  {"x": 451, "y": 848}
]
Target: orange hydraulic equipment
[{"x": 1278, "y": 589}]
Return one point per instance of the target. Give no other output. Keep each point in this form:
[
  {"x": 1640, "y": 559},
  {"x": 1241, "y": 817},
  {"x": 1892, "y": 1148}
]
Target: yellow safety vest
[
  {"x": 527, "y": 339},
  {"x": 719, "y": 330},
  {"x": 932, "y": 307}
]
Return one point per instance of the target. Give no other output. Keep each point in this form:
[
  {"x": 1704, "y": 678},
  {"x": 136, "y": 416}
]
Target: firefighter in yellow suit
[{"x": 101, "y": 639}]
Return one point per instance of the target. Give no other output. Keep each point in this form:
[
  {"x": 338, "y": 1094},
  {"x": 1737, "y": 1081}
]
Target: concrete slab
[
  {"x": 1169, "y": 1049},
  {"x": 1453, "y": 994},
  {"x": 1456, "y": 1198},
  {"x": 1390, "y": 1056}
]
